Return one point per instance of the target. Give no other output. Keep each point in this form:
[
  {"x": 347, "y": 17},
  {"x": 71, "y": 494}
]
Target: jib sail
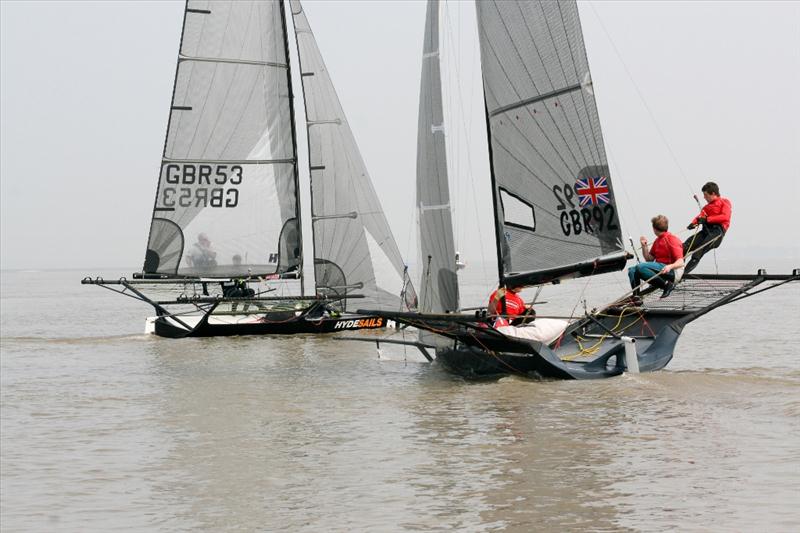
[
  {"x": 439, "y": 284},
  {"x": 226, "y": 202},
  {"x": 555, "y": 208},
  {"x": 354, "y": 250}
]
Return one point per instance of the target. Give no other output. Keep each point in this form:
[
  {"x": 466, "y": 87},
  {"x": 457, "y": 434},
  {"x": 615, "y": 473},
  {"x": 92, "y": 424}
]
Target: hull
[
  {"x": 627, "y": 336},
  {"x": 618, "y": 340},
  {"x": 540, "y": 361},
  {"x": 265, "y": 325}
]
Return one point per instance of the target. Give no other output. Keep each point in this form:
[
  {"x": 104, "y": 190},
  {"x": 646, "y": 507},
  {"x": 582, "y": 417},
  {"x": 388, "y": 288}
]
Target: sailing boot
[
  {"x": 636, "y": 297},
  {"x": 668, "y": 289}
]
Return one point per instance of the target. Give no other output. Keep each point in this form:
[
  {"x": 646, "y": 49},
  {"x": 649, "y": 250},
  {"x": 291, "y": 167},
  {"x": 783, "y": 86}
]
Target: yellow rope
[{"x": 591, "y": 350}]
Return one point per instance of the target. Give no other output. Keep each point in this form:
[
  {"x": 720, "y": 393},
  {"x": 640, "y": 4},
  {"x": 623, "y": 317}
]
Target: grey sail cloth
[
  {"x": 226, "y": 202},
  {"x": 554, "y": 201},
  {"x": 439, "y": 284},
  {"x": 354, "y": 250}
]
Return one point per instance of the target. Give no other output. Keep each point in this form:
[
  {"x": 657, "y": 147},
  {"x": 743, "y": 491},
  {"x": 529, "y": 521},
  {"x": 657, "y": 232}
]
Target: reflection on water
[{"x": 125, "y": 431}]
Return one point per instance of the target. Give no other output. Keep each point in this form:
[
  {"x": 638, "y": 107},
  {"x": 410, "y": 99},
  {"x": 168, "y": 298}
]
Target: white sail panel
[
  {"x": 226, "y": 202},
  {"x": 241, "y": 30},
  {"x": 243, "y": 236},
  {"x": 344, "y": 204},
  {"x": 439, "y": 283},
  {"x": 547, "y": 147},
  {"x": 221, "y": 110}
]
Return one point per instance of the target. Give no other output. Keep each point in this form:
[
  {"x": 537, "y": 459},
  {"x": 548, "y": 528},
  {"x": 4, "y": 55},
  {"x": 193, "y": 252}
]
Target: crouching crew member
[
  {"x": 664, "y": 258},
  {"x": 506, "y": 302},
  {"x": 715, "y": 218}
]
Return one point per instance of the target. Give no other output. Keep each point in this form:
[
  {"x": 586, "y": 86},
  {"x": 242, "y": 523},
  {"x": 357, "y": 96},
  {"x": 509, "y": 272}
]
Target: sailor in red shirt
[
  {"x": 506, "y": 302},
  {"x": 715, "y": 218},
  {"x": 664, "y": 259}
]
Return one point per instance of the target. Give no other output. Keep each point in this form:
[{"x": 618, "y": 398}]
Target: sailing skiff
[
  {"x": 226, "y": 231},
  {"x": 555, "y": 211}
]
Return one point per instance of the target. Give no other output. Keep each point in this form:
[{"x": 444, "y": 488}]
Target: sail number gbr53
[{"x": 190, "y": 185}]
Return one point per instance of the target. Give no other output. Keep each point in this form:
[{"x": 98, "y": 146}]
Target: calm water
[{"x": 104, "y": 428}]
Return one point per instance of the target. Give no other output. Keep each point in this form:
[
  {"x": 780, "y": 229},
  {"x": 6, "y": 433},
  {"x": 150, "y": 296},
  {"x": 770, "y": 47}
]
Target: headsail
[
  {"x": 354, "y": 250},
  {"x": 226, "y": 202},
  {"x": 439, "y": 285},
  {"x": 555, "y": 209}
]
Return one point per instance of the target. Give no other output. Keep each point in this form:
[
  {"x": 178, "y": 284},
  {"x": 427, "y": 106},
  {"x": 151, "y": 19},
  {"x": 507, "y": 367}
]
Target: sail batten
[
  {"x": 232, "y": 161},
  {"x": 555, "y": 209},
  {"x": 232, "y": 61},
  {"x": 535, "y": 99}
]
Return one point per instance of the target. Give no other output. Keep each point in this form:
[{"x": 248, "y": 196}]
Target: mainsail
[
  {"x": 555, "y": 209},
  {"x": 226, "y": 202},
  {"x": 354, "y": 250},
  {"x": 439, "y": 285}
]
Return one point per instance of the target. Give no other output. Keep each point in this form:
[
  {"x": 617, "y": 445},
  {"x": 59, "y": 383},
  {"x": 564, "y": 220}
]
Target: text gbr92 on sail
[{"x": 555, "y": 213}]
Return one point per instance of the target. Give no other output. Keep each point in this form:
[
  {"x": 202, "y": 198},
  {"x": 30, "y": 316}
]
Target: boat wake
[
  {"x": 756, "y": 375},
  {"x": 76, "y": 340}
]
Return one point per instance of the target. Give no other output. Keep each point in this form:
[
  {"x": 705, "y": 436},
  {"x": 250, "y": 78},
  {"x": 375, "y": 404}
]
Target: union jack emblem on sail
[{"x": 592, "y": 191}]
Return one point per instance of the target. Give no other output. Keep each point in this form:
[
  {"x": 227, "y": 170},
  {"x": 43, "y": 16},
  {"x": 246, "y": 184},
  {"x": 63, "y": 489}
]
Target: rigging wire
[
  {"x": 641, "y": 97},
  {"x": 631, "y": 203},
  {"x": 652, "y": 117},
  {"x": 455, "y": 72}
]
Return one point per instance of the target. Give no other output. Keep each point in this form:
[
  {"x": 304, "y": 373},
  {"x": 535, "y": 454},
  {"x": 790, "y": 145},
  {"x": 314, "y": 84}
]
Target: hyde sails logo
[{"x": 362, "y": 323}]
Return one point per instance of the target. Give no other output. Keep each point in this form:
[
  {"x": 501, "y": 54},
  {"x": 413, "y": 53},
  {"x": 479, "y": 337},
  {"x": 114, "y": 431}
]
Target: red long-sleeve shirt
[
  {"x": 515, "y": 305},
  {"x": 667, "y": 248},
  {"x": 717, "y": 211}
]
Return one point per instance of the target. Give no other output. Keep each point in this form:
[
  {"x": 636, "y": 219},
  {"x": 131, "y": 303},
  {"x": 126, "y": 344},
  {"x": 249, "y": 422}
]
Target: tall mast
[
  {"x": 294, "y": 146},
  {"x": 498, "y": 230}
]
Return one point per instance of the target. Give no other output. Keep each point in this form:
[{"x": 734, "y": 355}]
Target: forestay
[
  {"x": 439, "y": 285},
  {"x": 354, "y": 250},
  {"x": 226, "y": 202},
  {"x": 555, "y": 207}
]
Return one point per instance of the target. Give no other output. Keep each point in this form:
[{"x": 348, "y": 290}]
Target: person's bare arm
[
  {"x": 677, "y": 264},
  {"x": 645, "y": 249}
]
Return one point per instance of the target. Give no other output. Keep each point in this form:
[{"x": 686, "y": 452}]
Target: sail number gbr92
[
  {"x": 200, "y": 186},
  {"x": 585, "y": 207}
]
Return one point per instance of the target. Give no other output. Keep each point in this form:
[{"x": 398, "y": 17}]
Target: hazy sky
[{"x": 85, "y": 91}]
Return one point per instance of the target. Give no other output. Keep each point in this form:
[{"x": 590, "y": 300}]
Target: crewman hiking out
[
  {"x": 714, "y": 219},
  {"x": 664, "y": 264}
]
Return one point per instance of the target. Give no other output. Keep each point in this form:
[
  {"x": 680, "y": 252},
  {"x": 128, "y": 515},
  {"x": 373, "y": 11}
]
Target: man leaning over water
[{"x": 714, "y": 219}]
